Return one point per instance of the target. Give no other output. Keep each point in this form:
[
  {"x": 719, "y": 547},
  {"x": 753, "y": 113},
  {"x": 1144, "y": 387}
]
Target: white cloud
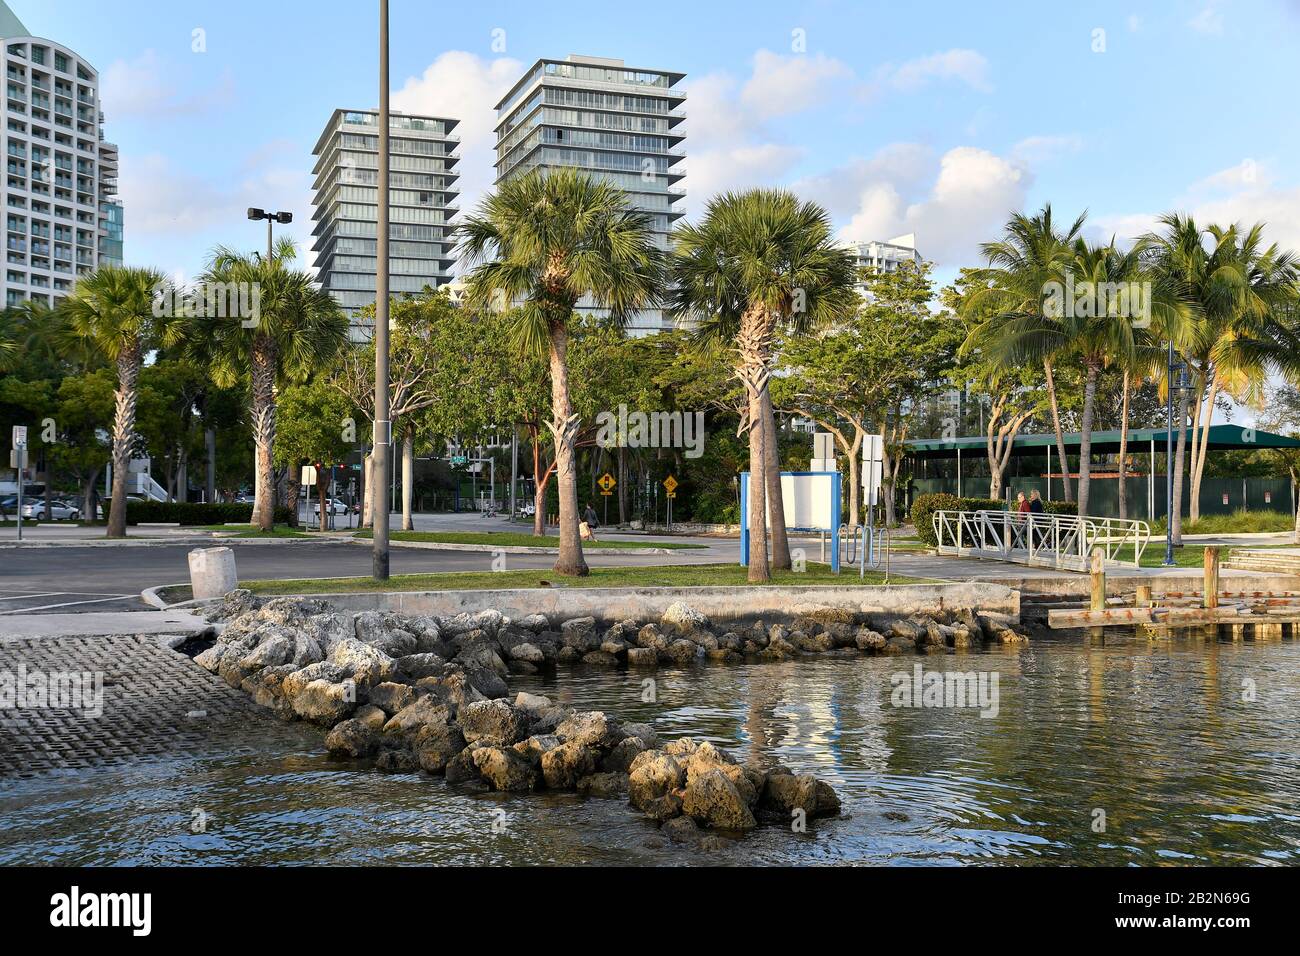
[
  {"x": 952, "y": 205},
  {"x": 1208, "y": 21},
  {"x": 965, "y": 66},
  {"x": 780, "y": 85},
  {"x": 1035, "y": 150},
  {"x": 1134, "y": 23},
  {"x": 463, "y": 85},
  {"x": 147, "y": 86},
  {"x": 167, "y": 204}
]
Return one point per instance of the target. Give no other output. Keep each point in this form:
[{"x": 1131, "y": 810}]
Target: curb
[
  {"x": 161, "y": 542},
  {"x": 520, "y": 548}
]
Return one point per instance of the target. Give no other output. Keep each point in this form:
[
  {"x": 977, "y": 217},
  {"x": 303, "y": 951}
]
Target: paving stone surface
[{"x": 155, "y": 701}]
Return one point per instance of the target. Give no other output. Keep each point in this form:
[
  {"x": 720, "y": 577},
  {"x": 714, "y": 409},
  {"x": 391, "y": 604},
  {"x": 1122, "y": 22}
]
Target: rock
[
  {"x": 614, "y": 648},
  {"x": 290, "y": 611},
  {"x": 705, "y": 640},
  {"x": 548, "y": 718},
  {"x": 620, "y": 757},
  {"x": 325, "y": 703},
  {"x": 642, "y": 657},
  {"x": 435, "y": 744},
  {"x": 236, "y": 602},
  {"x": 492, "y": 722},
  {"x": 486, "y": 682},
  {"x": 423, "y": 664},
  {"x": 707, "y": 758},
  {"x": 731, "y": 641},
  {"x": 713, "y": 800},
  {"x": 684, "y": 830},
  {"x": 523, "y": 667},
  {"x": 391, "y": 697},
  {"x": 778, "y": 648},
  {"x": 785, "y": 792},
  {"x": 527, "y": 652},
  {"x": 484, "y": 656},
  {"x": 651, "y": 637},
  {"x": 645, "y": 732},
  {"x": 292, "y": 685},
  {"x": 682, "y": 618},
  {"x": 653, "y": 782},
  {"x": 932, "y": 636},
  {"x": 273, "y": 649},
  {"x": 266, "y": 687},
  {"x": 372, "y": 716},
  {"x": 352, "y": 738},
  {"x": 681, "y": 653},
  {"x": 568, "y": 655},
  {"x": 535, "y": 746},
  {"x": 580, "y": 634},
  {"x": 531, "y": 703},
  {"x": 603, "y": 784},
  {"x": 562, "y": 766},
  {"x": 306, "y": 650},
  {"x": 328, "y": 630},
  {"x": 724, "y": 656},
  {"x": 364, "y": 664},
  {"x": 535, "y": 623},
  {"x": 396, "y": 761},
  {"x": 899, "y": 645},
  {"x": 461, "y": 768},
  {"x": 419, "y": 713},
  {"x": 504, "y": 769},
  {"x": 869, "y": 641},
  {"x": 821, "y": 614},
  {"x": 591, "y": 728},
  {"x": 818, "y": 643},
  {"x": 210, "y": 659},
  {"x": 600, "y": 659},
  {"x": 904, "y": 629},
  {"x": 453, "y": 691},
  {"x": 681, "y": 747}
]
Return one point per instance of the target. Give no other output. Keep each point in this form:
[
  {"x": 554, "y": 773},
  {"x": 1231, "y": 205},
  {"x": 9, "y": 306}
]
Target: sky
[{"x": 939, "y": 119}]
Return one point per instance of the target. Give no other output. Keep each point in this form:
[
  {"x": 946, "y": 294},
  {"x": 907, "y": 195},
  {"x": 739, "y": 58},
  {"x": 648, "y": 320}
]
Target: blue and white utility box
[{"x": 812, "y": 505}]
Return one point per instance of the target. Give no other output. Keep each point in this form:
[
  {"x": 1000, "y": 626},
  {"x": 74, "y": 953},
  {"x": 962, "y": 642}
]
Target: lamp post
[
  {"x": 284, "y": 218},
  {"x": 383, "y": 426}
]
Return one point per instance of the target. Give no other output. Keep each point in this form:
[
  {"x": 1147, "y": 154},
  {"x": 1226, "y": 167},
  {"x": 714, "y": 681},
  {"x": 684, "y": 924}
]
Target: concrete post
[{"x": 212, "y": 572}]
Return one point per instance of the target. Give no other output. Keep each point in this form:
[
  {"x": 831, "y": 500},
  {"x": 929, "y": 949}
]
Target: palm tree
[
  {"x": 1011, "y": 290},
  {"x": 546, "y": 240},
  {"x": 8, "y": 339},
  {"x": 761, "y": 260},
  {"x": 297, "y": 330},
  {"x": 112, "y": 310}
]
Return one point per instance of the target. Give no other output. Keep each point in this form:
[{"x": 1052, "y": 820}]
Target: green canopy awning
[{"x": 1222, "y": 438}]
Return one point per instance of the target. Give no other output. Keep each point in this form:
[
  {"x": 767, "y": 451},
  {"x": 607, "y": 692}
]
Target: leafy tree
[
  {"x": 759, "y": 262},
  {"x": 546, "y": 240},
  {"x": 311, "y": 431}
]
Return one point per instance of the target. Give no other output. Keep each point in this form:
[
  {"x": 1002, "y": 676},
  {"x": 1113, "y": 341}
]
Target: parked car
[{"x": 57, "y": 511}]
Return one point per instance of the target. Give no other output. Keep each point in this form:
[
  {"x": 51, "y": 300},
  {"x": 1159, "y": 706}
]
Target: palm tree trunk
[
  {"x": 565, "y": 427},
  {"x": 1198, "y": 459},
  {"x": 772, "y": 479},
  {"x": 855, "y": 482},
  {"x": 322, "y": 487},
  {"x": 1123, "y": 447},
  {"x": 263, "y": 415},
  {"x": 128, "y": 382},
  {"x": 622, "y": 485},
  {"x": 1180, "y": 459},
  {"x": 539, "y": 495},
  {"x": 753, "y": 345},
  {"x": 408, "y": 478},
  {"x": 368, "y": 473},
  {"x": 1056, "y": 424},
  {"x": 1085, "y": 436}
]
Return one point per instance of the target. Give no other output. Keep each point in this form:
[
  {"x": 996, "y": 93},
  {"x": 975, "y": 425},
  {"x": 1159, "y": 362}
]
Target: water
[{"x": 1156, "y": 735}]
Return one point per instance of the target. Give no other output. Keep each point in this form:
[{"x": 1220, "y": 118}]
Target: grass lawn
[
  {"x": 1239, "y": 522},
  {"x": 248, "y": 531},
  {"x": 1188, "y": 556},
  {"x": 516, "y": 539},
  {"x": 701, "y": 575}
]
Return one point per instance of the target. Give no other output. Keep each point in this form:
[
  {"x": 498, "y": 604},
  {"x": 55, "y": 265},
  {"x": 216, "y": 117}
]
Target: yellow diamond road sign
[
  {"x": 671, "y": 484},
  {"x": 607, "y": 482}
]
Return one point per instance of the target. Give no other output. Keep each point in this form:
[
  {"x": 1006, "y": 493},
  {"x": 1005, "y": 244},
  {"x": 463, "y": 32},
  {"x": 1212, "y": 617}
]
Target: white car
[{"x": 58, "y": 510}]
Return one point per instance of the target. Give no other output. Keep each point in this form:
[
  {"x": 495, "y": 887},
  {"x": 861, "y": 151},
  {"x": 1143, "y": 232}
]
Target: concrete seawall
[{"x": 608, "y": 605}]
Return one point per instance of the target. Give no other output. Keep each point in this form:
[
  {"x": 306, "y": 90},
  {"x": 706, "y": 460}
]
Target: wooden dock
[{"x": 1259, "y": 614}]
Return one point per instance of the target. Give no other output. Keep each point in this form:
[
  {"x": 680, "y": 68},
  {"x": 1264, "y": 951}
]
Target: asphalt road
[{"x": 69, "y": 579}]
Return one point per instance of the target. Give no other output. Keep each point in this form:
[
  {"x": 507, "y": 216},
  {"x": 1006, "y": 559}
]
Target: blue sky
[{"x": 936, "y": 119}]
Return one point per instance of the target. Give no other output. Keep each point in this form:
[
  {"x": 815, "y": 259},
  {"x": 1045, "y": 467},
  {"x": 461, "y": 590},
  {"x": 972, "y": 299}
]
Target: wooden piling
[
  {"x": 1210, "y": 596},
  {"x": 1098, "y": 575},
  {"x": 1143, "y": 596}
]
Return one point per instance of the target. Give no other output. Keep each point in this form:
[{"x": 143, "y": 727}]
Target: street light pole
[
  {"x": 271, "y": 217},
  {"x": 1169, "y": 462},
  {"x": 383, "y": 426}
]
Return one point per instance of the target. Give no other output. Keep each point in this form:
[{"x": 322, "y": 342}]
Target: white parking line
[
  {"x": 20, "y": 595},
  {"x": 48, "y": 607}
]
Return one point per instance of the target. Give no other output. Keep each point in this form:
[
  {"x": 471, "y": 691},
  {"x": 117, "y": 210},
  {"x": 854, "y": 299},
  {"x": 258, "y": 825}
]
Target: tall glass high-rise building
[
  {"x": 422, "y": 202},
  {"x": 62, "y": 216},
  {"x": 618, "y": 123}
]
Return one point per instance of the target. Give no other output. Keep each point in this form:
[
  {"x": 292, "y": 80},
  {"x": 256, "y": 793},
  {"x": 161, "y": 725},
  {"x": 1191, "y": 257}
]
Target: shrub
[
  {"x": 1061, "y": 507},
  {"x": 924, "y": 507},
  {"x": 192, "y": 513}
]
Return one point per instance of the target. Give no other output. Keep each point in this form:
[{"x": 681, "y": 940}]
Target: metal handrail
[{"x": 1040, "y": 540}]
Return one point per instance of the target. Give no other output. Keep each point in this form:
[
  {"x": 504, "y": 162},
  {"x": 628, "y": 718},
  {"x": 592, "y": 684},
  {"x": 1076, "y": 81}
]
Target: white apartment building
[
  {"x": 62, "y": 215},
  {"x": 888, "y": 255},
  {"x": 618, "y": 123},
  {"x": 422, "y": 201}
]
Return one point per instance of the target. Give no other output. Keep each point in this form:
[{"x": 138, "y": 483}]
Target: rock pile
[{"x": 417, "y": 693}]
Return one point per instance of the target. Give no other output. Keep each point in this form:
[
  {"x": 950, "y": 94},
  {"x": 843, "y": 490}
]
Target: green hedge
[
  {"x": 192, "y": 513},
  {"x": 1061, "y": 507},
  {"x": 924, "y": 507}
]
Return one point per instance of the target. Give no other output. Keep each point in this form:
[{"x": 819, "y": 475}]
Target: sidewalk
[{"x": 16, "y": 627}]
